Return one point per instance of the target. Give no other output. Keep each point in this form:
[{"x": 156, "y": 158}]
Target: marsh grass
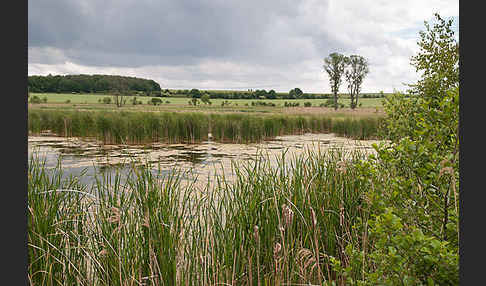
[
  {"x": 146, "y": 127},
  {"x": 56, "y": 232},
  {"x": 276, "y": 223}
]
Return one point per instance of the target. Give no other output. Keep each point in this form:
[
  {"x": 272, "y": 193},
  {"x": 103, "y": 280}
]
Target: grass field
[
  {"x": 94, "y": 99},
  {"x": 370, "y": 106}
]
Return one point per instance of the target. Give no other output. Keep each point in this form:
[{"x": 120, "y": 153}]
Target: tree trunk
[
  {"x": 351, "y": 96},
  {"x": 352, "y": 105},
  {"x": 335, "y": 101}
]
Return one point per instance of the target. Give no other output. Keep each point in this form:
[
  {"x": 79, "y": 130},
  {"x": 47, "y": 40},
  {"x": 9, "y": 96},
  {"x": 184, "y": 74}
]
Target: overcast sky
[{"x": 224, "y": 44}]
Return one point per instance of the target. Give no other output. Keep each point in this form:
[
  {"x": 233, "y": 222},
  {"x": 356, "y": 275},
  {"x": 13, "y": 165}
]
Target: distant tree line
[
  {"x": 93, "y": 84},
  {"x": 132, "y": 86},
  {"x": 295, "y": 93}
]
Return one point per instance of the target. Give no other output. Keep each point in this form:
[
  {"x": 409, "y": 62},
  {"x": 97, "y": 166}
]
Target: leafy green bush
[
  {"x": 414, "y": 235},
  {"x": 106, "y": 100},
  {"x": 402, "y": 255},
  {"x": 291, "y": 104},
  {"x": 35, "y": 99},
  {"x": 261, "y": 103},
  {"x": 156, "y": 101},
  {"x": 307, "y": 104}
]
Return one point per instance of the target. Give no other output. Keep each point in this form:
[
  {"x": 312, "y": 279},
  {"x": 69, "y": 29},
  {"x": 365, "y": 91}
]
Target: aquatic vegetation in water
[{"x": 147, "y": 127}]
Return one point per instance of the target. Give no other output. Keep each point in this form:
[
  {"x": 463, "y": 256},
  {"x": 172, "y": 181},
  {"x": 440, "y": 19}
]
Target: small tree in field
[
  {"x": 194, "y": 101},
  {"x": 296, "y": 93},
  {"x": 271, "y": 94},
  {"x": 334, "y": 65},
  {"x": 195, "y": 93},
  {"x": 119, "y": 97},
  {"x": 205, "y": 99},
  {"x": 354, "y": 74}
]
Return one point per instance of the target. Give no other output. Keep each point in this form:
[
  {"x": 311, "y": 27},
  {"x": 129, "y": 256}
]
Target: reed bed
[
  {"x": 273, "y": 225},
  {"x": 146, "y": 127}
]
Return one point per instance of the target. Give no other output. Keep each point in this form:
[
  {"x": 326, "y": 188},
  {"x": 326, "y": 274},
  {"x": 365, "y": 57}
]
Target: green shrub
[
  {"x": 35, "y": 99},
  {"x": 414, "y": 202},
  {"x": 106, "y": 100},
  {"x": 156, "y": 101},
  {"x": 402, "y": 255}
]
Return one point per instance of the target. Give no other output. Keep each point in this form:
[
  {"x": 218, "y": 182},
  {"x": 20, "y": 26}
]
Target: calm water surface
[{"x": 201, "y": 161}]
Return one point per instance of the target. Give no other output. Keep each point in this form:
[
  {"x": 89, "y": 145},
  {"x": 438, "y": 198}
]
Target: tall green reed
[
  {"x": 146, "y": 127},
  {"x": 277, "y": 222},
  {"x": 281, "y": 222},
  {"x": 56, "y": 232}
]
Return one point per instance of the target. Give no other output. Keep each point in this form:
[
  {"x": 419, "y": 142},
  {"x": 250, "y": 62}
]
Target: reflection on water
[{"x": 203, "y": 160}]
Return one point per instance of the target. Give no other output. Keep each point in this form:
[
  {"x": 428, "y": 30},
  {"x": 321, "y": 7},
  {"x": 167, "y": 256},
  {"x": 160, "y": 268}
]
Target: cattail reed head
[
  {"x": 341, "y": 166},
  {"x": 277, "y": 248},
  {"x": 341, "y": 216},
  {"x": 313, "y": 217},
  {"x": 288, "y": 215},
  {"x": 255, "y": 232},
  {"x": 103, "y": 252},
  {"x": 115, "y": 215},
  {"x": 146, "y": 220}
]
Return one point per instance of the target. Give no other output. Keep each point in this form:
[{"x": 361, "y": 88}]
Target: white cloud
[{"x": 287, "y": 51}]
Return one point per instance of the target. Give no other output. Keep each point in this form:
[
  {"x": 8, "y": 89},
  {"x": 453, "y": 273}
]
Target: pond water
[{"x": 202, "y": 161}]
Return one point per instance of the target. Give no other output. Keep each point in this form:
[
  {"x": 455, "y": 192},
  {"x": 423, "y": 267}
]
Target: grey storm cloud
[
  {"x": 224, "y": 44},
  {"x": 128, "y": 33}
]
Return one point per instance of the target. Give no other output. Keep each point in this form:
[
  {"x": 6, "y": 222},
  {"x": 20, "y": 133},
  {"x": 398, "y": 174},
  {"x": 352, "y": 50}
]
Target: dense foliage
[
  {"x": 414, "y": 202},
  {"x": 92, "y": 84}
]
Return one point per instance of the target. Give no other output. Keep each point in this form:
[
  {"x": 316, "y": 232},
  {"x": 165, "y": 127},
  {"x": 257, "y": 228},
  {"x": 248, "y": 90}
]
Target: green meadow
[{"x": 93, "y": 99}]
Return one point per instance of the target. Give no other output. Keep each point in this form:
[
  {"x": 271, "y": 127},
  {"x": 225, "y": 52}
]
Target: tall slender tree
[
  {"x": 355, "y": 73},
  {"x": 334, "y": 65}
]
